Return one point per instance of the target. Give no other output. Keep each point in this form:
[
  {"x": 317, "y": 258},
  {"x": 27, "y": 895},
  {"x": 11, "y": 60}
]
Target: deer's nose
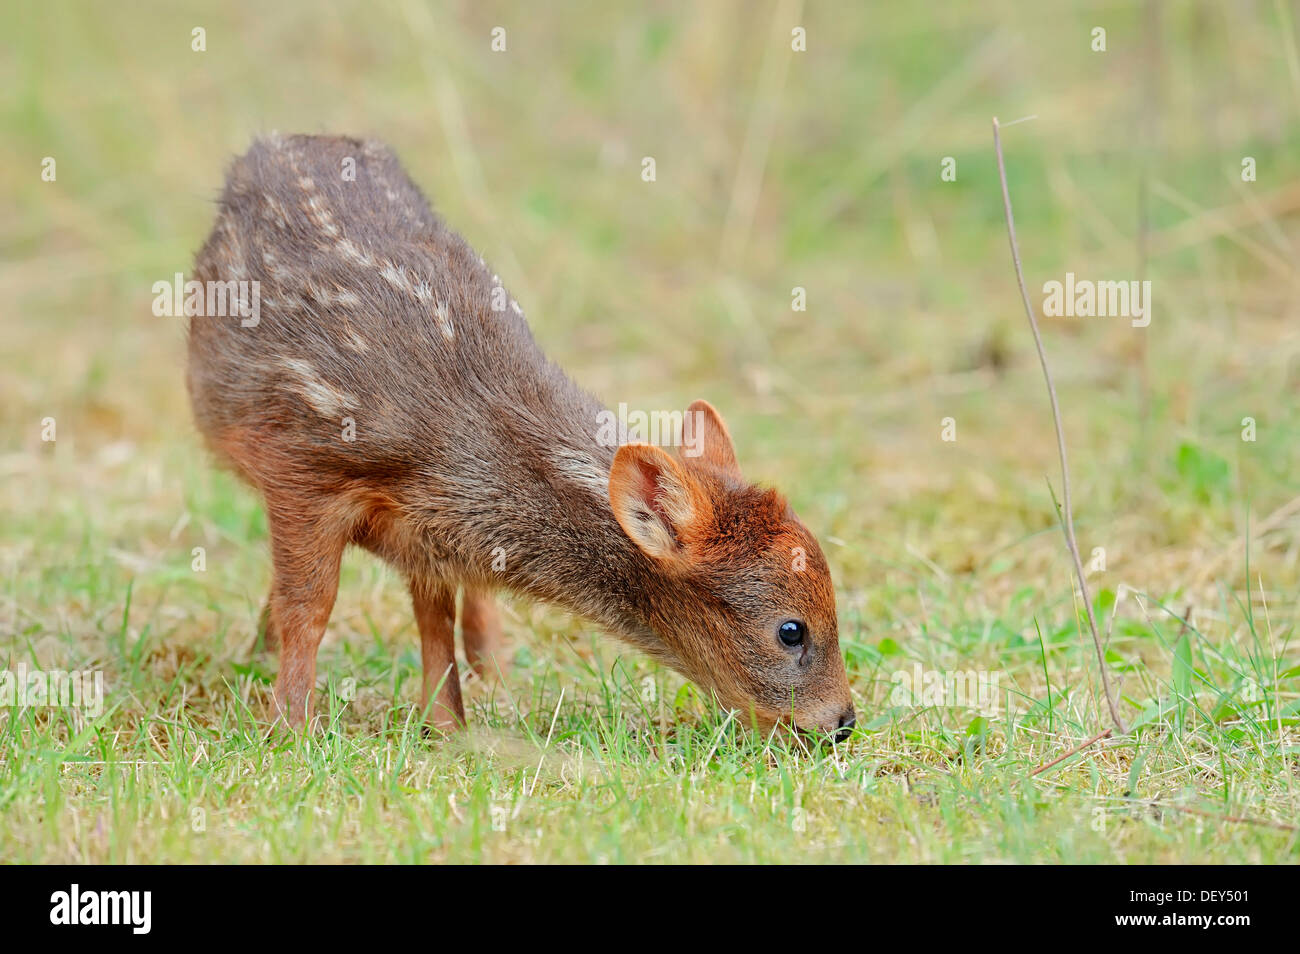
[{"x": 847, "y": 721}]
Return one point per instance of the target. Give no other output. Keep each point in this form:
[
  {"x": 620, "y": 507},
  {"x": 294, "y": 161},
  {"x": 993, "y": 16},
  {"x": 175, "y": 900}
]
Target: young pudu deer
[{"x": 390, "y": 395}]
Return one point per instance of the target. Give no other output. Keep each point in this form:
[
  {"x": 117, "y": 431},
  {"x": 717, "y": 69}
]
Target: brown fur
[{"x": 474, "y": 461}]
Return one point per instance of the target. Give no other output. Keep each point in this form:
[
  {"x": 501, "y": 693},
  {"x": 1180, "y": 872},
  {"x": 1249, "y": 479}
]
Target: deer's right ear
[
  {"x": 652, "y": 499},
  {"x": 706, "y": 436}
]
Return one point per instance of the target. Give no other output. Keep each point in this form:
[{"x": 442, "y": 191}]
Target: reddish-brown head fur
[{"x": 734, "y": 564}]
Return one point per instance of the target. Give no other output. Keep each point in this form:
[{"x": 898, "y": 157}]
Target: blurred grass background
[{"x": 775, "y": 169}]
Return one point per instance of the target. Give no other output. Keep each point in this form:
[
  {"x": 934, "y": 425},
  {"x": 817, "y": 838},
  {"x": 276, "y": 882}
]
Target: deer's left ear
[
  {"x": 705, "y": 438},
  {"x": 654, "y": 501}
]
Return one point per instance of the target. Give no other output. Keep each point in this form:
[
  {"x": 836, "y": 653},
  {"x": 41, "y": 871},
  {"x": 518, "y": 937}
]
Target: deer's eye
[{"x": 793, "y": 632}]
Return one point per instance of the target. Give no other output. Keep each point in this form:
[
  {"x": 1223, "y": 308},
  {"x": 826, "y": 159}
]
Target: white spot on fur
[
  {"x": 321, "y": 216},
  {"x": 423, "y": 293},
  {"x": 358, "y": 342},
  {"x": 276, "y": 212},
  {"x": 574, "y": 466},
  {"x": 324, "y": 399},
  {"x": 279, "y": 272},
  {"x": 444, "y": 321},
  {"x": 307, "y": 183},
  {"x": 394, "y": 277},
  {"x": 353, "y": 252},
  {"x": 515, "y": 305}
]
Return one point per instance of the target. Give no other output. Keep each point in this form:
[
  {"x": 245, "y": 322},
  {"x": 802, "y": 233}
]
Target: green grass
[{"x": 945, "y": 554}]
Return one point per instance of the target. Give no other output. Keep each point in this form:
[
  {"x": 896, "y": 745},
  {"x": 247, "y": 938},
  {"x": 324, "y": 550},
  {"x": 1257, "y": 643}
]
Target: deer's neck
[{"x": 565, "y": 545}]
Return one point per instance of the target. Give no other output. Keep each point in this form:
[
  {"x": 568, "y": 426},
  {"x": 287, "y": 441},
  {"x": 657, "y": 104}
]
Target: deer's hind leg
[
  {"x": 435, "y": 616},
  {"x": 480, "y": 631},
  {"x": 306, "y": 551}
]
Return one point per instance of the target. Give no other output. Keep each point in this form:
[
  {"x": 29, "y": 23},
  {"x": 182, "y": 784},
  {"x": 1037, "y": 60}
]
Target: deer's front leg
[{"x": 435, "y": 615}]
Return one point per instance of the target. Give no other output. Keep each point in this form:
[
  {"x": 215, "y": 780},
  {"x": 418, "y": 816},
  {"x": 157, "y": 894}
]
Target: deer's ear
[
  {"x": 705, "y": 437},
  {"x": 652, "y": 499}
]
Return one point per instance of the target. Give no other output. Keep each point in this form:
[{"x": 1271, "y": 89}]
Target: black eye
[{"x": 792, "y": 632}]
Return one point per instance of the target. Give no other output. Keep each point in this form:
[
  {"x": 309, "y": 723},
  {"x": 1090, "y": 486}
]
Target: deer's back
[{"x": 373, "y": 314}]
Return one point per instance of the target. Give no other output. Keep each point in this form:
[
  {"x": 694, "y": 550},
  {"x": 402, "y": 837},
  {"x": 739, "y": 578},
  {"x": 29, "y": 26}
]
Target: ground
[{"x": 902, "y": 411}]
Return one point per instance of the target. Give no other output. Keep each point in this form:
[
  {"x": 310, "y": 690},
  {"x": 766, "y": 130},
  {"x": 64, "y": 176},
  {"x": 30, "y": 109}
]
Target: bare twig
[
  {"x": 1219, "y": 816},
  {"x": 1104, "y": 733},
  {"x": 1068, "y": 516}
]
